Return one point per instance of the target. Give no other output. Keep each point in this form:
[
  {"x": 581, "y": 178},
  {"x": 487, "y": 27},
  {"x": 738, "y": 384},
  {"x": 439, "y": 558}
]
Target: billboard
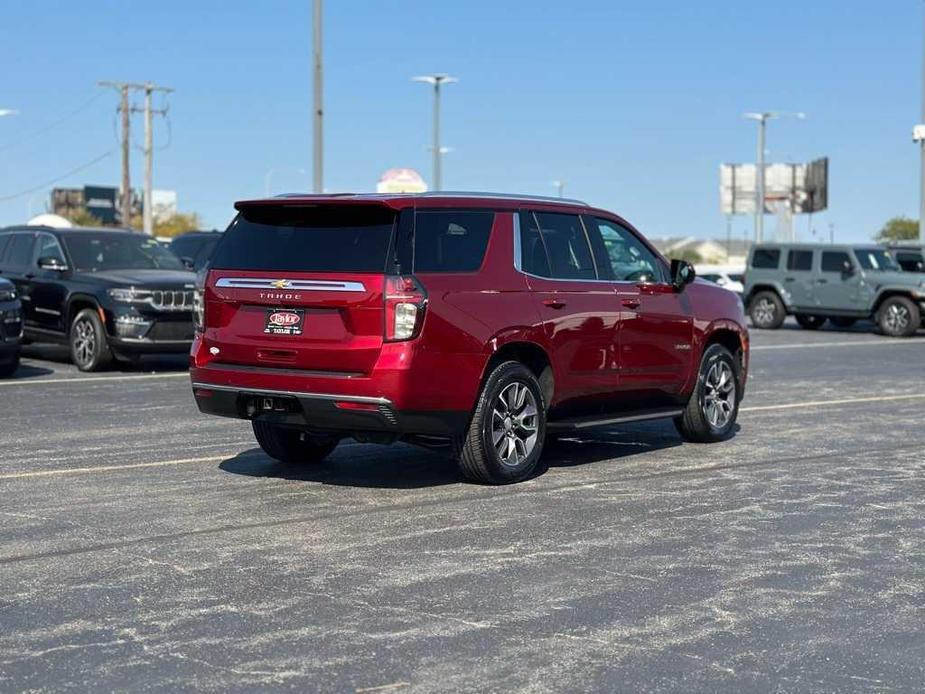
[
  {"x": 401, "y": 181},
  {"x": 100, "y": 201},
  {"x": 804, "y": 186}
]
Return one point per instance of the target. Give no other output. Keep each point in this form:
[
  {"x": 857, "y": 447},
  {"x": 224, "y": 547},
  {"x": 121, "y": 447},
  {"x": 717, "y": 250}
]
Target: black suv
[
  {"x": 195, "y": 248},
  {"x": 10, "y": 328},
  {"x": 106, "y": 293}
]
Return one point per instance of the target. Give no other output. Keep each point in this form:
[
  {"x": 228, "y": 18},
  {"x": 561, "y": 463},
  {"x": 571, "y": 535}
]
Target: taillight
[
  {"x": 405, "y": 300},
  {"x": 199, "y": 302}
]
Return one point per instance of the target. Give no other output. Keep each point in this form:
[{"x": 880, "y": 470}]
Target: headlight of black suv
[{"x": 7, "y": 294}]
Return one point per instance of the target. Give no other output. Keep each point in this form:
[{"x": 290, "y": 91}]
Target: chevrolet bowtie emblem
[{"x": 282, "y": 284}]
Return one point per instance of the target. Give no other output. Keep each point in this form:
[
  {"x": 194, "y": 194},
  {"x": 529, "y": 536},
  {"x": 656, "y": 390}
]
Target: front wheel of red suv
[
  {"x": 711, "y": 412},
  {"x": 292, "y": 445},
  {"x": 505, "y": 438}
]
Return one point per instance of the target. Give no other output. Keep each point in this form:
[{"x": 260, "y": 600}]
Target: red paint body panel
[{"x": 604, "y": 340}]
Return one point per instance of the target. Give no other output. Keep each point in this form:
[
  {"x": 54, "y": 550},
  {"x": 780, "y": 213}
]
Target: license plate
[{"x": 284, "y": 321}]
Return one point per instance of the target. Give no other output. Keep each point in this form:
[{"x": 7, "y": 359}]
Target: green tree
[
  {"x": 898, "y": 229},
  {"x": 690, "y": 255},
  {"x": 82, "y": 218},
  {"x": 173, "y": 225}
]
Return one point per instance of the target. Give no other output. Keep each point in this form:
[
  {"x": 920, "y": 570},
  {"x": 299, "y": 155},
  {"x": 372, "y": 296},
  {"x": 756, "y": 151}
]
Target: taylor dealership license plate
[{"x": 285, "y": 321}]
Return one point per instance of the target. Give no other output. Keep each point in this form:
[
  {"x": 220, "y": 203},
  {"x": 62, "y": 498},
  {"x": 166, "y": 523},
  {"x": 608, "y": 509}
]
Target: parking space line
[
  {"x": 219, "y": 458},
  {"x": 832, "y": 403},
  {"x": 892, "y": 342},
  {"x": 92, "y": 379}
]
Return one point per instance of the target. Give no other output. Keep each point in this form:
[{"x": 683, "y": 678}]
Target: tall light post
[
  {"x": 318, "y": 110},
  {"x": 560, "y": 187},
  {"x": 763, "y": 119},
  {"x": 918, "y": 135},
  {"x": 436, "y": 81}
]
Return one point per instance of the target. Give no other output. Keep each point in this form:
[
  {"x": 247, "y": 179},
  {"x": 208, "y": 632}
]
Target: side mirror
[
  {"x": 847, "y": 268},
  {"x": 682, "y": 274},
  {"x": 52, "y": 263}
]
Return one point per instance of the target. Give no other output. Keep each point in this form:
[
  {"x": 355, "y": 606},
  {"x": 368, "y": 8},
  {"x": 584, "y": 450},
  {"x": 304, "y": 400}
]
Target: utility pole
[
  {"x": 147, "y": 205},
  {"x": 560, "y": 187},
  {"x": 436, "y": 81},
  {"x": 317, "y": 126},
  {"x": 919, "y": 135},
  {"x": 126, "y": 201}
]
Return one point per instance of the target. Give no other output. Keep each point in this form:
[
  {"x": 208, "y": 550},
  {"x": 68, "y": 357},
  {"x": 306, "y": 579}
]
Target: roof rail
[{"x": 441, "y": 194}]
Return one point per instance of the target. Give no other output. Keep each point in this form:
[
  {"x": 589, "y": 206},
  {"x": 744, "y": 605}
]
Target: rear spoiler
[{"x": 313, "y": 201}]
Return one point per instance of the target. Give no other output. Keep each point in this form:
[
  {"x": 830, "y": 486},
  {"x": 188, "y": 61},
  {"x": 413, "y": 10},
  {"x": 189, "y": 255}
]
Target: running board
[{"x": 580, "y": 423}]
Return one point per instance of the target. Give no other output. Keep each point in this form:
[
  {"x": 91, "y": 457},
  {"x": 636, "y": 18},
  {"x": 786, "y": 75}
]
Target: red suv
[{"x": 474, "y": 323}]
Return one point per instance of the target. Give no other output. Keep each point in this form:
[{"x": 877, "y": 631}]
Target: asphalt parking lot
[{"x": 145, "y": 546}]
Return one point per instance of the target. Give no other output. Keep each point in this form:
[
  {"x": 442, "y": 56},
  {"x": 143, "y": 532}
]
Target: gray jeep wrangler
[{"x": 841, "y": 284}]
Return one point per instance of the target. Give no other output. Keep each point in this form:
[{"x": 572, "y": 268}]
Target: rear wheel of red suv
[
  {"x": 505, "y": 438},
  {"x": 710, "y": 414},
  {"x": 291, "y": 445}
]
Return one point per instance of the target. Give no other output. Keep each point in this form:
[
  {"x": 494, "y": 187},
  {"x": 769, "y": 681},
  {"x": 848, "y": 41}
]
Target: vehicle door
[
  {"x": 910, "y": 260},
  {"x": 838, "y": 283},
  {"x": 16, "y": 267},
  {"x": 656, "y": 323},
  {"x": 799, "y": 278},
  {"x": 49, "y": 267},
  {"x": 577, "y": 309}
]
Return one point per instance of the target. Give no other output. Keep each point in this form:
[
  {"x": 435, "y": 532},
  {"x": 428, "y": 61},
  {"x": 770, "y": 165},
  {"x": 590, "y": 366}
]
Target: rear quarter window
[
  {"x": 451, "y": 241},
  {"x": 324, "y": 238},
  {"x": 766, "y": 259}
]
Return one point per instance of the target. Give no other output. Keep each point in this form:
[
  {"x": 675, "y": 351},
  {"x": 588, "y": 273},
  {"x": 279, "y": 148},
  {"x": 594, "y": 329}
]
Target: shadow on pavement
[
  {"x": 28, "y": 371},
  {"x": 406, "y": 467},
  {"x": 60, "y": 354}
]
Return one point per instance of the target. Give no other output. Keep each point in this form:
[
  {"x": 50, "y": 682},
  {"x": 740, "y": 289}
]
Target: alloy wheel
[
  {"x": 719, "y": 395},
  {"x": 897, "y": 318},
  {"x": 764, "y": 311},
  {"x": 84, "y": 342},
  {"x": 514, "y": 424}
]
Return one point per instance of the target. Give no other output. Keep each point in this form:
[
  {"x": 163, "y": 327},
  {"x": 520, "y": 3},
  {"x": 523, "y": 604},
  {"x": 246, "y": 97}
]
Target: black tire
[
  {"x": 501, "y": 449},
  {"x": 899, "y": 317},
  {"x": 842, "y": 322},
  {"x": 87, "y": 340},
  {"x": 697, "y": 423},
  {"x": 808, "y": 322},
  {"x": 767, "y": 311},
  {"x": 291, "y": 445},
  {"x": 8, "y": 369}
]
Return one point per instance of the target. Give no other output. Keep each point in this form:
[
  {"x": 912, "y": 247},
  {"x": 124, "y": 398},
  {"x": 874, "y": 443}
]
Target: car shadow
[
  {"x": 148, "y": 363},
  {"x": 402, "y": 466},
  {"x": 26, "y": 371}
]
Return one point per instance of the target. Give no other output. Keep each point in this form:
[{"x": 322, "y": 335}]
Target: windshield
[
  {"x": 876, "y": 259},
  {"x": 119, "y": 251}
]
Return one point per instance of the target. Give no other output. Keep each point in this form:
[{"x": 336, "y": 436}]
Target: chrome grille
[{"x": 172, "y": 299}]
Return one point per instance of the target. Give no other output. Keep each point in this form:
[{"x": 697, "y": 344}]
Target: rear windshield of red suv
[{"x": 332, "y": 238}]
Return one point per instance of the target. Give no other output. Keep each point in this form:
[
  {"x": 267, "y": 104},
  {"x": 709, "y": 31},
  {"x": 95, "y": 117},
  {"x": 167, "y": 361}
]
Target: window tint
[
  {"x": 766, "y": 258},
  {"x": 532, "y": 251},
  {"x": 328, "y": 238},
  {"x": 204, "y": 253},
  {"x": 185, "y": 247},
  {"x": 566, "y": 246},
  {"x": 118, "y": 251},
  {"x": 19, "y": 254},
  {"x": 800, "y": 260},
  {"x": 48, "y": 247},
  {"x": 835, "y": 261},
  {"x": 450, "y": 240},
  {"x": 4, "y": 242},
  {"x": 908, "y": 261},
  {"x": 875, "y": 259},
  {"x": 627, "y": 257}
]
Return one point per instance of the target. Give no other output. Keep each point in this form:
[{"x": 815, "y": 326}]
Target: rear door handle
[
  {"x": 790, "y": 279},
  {"x": 553, "y": 303},
  {"x": 631, "y": 303},
  {"x": 821, "y": 281}
]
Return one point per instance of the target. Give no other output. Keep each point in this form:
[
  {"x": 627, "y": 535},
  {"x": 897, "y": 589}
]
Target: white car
[{"x": 731, "y": 277}]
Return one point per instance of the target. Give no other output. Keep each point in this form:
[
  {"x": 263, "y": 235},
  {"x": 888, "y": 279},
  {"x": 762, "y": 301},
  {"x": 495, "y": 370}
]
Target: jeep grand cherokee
[{"x": 476, "y": 323}]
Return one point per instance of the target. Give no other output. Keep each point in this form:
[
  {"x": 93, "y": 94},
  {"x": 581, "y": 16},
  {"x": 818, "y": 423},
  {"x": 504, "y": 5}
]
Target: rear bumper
[{"x": 326, "y": 412}]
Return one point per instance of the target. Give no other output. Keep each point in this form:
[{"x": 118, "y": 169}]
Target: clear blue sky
[{"x": 633, "y": 104}]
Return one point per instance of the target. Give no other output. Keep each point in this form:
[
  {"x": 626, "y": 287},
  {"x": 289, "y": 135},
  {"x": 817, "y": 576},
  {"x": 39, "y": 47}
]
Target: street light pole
[
  {"x": 437, "y": 81},
  {"x": 560, "y": 187},
  {"x": 763, "y": 119},
  {"x": 317, "y": 131}
]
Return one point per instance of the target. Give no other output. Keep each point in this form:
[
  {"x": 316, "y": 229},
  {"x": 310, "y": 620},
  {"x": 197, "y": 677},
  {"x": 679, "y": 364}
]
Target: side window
[
  {"x": 19, "y": 254},
  {"x": 801, "y": 261},
  {"x": 566, "y": 246},
  {"x": 451, "y": 240},
  {"x": 4, "y": 242},
  {"x": 836, "y": 261},
  {"x": 48, "y": 247},
  {"x": 204, "y": 253},
  {"x": 184, "y": 248},
  {"x": 908, "y": 261},
  {"x": 766, "y": 258},
  {"x": 533, "y": 259},
  {"x": 628, "y": 258}
]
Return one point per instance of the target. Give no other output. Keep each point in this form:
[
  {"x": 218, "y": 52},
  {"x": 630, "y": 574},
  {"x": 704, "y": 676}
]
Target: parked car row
[{"x": 816, "y": 283}]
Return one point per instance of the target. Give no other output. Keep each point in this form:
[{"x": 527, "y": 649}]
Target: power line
[
  {"x": 55, "y": 180},
  {"x": 54, "y": 124}
]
